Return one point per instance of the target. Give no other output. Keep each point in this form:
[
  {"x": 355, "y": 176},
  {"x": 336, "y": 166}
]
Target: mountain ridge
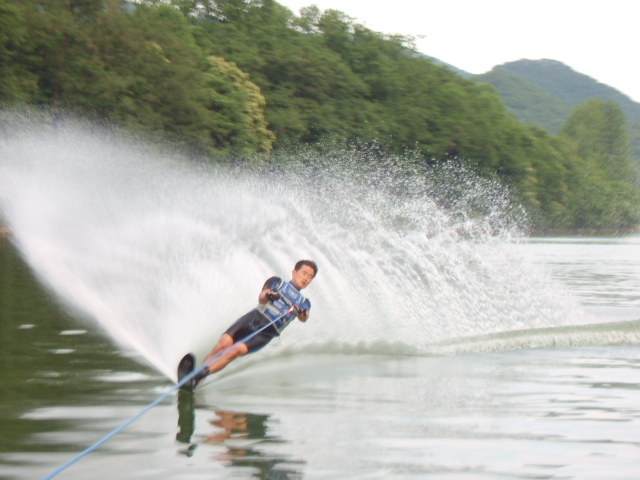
[{"x": 544, "y": 92}]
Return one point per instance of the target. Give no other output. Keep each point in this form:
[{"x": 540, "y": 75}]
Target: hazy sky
[{"x": 600, "y": 38}]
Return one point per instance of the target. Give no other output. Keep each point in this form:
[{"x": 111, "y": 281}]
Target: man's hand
[
  {"x": 301, "y": 313},
  {"x": 272, "y": 295}
]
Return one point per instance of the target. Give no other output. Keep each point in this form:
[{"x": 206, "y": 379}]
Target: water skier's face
[{"x": 301, "y": 278}]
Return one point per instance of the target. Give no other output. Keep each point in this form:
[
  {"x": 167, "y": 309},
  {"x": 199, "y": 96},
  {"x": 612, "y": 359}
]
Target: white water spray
[{"x": 164, "y": 253}]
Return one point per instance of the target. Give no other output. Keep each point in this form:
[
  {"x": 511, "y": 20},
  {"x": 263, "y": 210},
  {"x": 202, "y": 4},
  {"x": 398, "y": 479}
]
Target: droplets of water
[{"x": 164, "y": 253}]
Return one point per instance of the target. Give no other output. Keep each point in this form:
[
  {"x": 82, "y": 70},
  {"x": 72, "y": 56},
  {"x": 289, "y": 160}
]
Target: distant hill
[
  {"x": 530, "y": 103},
  {"x": 530, "y": 87},
  {"x": 568, "y": 85},
  {"x": 543, "y": 92}
]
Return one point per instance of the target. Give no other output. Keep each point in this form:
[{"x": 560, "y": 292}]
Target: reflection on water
[
  {"x": 241, "y": 434},
  {"x": 186, "y": 417},
  {"x": 45, "y": 360}
]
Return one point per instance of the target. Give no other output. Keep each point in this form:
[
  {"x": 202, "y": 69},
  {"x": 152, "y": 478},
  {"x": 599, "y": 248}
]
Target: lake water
[{"x": 440, "y": 345}]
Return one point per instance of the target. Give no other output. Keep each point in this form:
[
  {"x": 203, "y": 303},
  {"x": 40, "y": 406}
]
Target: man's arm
[
  {"x": 269, "y": 285},
  {"x": 262, "y": 298},
  {"x": 303, "y": 316}
]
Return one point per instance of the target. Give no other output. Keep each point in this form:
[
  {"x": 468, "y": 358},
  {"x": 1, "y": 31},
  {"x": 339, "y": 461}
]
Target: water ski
[{"x": 185, "y": 367}]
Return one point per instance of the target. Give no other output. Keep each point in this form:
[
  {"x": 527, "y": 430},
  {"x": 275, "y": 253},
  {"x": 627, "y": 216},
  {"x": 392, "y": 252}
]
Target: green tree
[
  {"x": 238, "y": 109},
  {"x": 608, "y": 195},
  {"x": 140, "y": 67},
  {"x": 309, "y": 90},
  {"x": 598, "y": 128},
  {"x": 17, "y": 82}
]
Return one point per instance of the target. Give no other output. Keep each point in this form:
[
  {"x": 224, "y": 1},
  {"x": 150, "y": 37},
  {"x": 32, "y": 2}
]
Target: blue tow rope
[{"x": 157, "y": 401}]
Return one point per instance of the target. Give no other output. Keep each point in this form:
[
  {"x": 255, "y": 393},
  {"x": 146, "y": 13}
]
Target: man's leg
[
  {"x": 225, "y": 351},
  {"x": 225, "y": 341}
]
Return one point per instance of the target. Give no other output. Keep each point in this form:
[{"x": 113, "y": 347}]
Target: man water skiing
[{"x": 279, "y": 303}]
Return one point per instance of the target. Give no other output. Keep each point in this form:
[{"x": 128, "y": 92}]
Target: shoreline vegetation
[
  {"x": 236, "y": 81},
  {"x": 545, "y": 232}
]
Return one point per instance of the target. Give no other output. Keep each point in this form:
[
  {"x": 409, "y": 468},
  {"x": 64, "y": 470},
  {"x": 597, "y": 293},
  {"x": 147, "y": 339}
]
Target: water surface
[{"x": 442, "y": 343}]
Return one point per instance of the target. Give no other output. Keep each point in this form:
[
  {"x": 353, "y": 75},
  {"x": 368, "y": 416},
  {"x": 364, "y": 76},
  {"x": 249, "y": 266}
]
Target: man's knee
[
  {"x": 225, "y": 342},
  {"x": 240, "y": 349}
]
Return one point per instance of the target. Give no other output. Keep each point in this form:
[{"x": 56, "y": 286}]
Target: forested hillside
[
  {"x": 568, "y": 85},
  {"x": 542, "y": 93},
  {"x": 529, "y": 102},
  {"x": 244, "y": 77}
]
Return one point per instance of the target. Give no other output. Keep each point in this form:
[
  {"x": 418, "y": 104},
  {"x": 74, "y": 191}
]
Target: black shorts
[{"x": 249, "y": 324}]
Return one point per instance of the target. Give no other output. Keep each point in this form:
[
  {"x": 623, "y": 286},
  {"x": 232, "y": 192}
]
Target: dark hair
[{"x": 308, "y": 263}]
